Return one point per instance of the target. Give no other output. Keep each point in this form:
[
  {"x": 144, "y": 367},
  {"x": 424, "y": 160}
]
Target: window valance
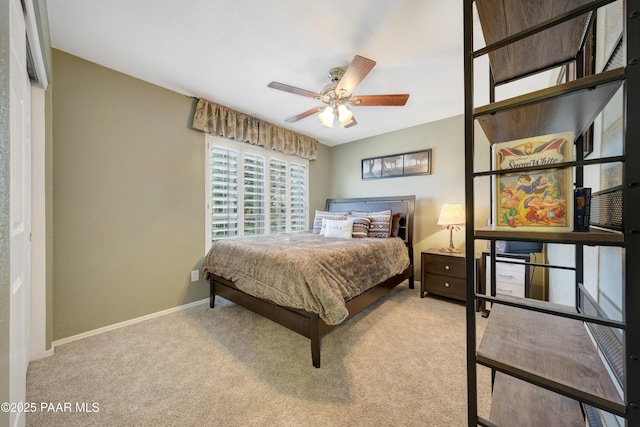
[{"x": 227, "y": 123}]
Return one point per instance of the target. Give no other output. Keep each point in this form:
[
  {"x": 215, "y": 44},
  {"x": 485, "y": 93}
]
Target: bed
[{"x": 311, "y": 283}]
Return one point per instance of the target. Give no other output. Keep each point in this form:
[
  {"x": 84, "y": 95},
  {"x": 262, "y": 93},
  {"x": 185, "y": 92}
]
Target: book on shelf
[
  {"x": 582, "y": 209},
  {"x": 540, "y": 199}
]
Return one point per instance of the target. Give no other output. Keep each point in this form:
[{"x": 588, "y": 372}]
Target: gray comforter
[{"x": 307, "y": 271}]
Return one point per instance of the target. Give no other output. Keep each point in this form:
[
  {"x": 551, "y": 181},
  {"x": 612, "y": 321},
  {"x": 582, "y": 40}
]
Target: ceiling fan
[{"x": 338, "y": 94}]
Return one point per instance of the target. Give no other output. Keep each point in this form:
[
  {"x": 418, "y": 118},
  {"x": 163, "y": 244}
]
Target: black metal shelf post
[
  {"x": 472, "y": 397},
  {"x": 631, "y": 197}
]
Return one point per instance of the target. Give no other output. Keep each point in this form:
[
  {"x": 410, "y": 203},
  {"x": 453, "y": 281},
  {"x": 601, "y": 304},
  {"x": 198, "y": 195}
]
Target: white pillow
[
  {"x": 338, "y": 228},
  {"x": 320, "y": 215}
]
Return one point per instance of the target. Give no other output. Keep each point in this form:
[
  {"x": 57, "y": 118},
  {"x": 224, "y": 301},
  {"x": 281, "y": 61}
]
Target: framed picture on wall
[
  {"x": 372, "y": 168},
  {"x": 397, "y": 165},
  {"x": 417, "y": 163},
  {"x": 392, "y": 166}
]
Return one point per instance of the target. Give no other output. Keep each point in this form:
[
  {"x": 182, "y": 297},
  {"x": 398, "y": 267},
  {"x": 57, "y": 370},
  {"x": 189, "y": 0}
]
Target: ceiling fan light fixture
[
  {"x": 338, "y": 95},
  {"x": 344, "y": 115},
  {"x": 326, "y": 117}
]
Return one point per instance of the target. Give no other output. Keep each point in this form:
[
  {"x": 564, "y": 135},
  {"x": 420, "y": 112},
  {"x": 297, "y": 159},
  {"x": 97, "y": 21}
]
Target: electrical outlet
[{"x": 195, "y": 275}]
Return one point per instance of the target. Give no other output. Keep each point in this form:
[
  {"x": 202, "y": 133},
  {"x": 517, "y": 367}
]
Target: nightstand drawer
[
  {"x": 445, "y": 285},
  {"x": 509, "y": 266},
  {"x": 510, "y": 289},
  {"x": 446, "y": 266},
  {"x": 507, "y": 276}
]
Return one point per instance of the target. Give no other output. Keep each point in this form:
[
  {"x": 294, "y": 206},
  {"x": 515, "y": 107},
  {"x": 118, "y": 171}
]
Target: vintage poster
[{"x": 536, "y": 199}]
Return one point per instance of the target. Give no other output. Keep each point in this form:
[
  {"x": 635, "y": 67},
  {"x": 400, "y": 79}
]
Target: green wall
[
  {"x": 320, "y": 179},
  {"x": 128, "y": 197}
]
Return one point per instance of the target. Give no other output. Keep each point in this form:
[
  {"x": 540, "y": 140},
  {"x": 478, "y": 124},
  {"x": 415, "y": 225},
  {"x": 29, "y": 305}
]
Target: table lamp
[{"x": 451, "y": 216}]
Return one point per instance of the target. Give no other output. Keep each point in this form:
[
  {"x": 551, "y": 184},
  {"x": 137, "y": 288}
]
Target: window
[{"x": 252, "y": 191}]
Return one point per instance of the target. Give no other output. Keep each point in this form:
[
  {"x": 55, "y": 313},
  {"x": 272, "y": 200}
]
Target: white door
[{"x": 20, "y": 211}]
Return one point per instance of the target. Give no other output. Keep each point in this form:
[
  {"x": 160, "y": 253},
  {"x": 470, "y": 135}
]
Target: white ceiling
[{"x": 228, "y": 51}]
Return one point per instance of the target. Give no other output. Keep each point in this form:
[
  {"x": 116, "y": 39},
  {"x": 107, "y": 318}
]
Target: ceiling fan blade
[
  {"x": 396, "y": 100},
  {"x": 355, "y": 73},
  {"x": 294, "y": 90},
  {"x": 305, "y": 114},
  {"x": 352, "y": 122}
]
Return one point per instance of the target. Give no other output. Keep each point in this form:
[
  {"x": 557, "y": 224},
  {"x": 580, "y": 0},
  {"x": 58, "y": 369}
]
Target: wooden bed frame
[{"x": 310, "y": 324}]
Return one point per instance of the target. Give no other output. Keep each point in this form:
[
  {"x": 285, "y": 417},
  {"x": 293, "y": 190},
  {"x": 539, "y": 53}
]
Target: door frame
[
  {"x": 19, "y": 212},
  {"x": 39, "y": 341},
  {"x": 38, "y": 336}
]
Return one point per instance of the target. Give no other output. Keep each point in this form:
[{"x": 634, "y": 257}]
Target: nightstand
[{"x": 444, "y": 274}]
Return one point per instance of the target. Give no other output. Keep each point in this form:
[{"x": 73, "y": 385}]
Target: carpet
[{"x": 400, "y": 362}]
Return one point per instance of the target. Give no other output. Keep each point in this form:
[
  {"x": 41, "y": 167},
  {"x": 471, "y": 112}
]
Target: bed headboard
[{"x": 403, "y": 204}]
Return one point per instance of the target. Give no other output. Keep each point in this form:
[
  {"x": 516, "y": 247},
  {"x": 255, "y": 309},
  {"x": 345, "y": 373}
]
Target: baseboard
[
  {"x": 125, "y": 323},
  {"x": 131, "y": 322},
  {"x": 41, "y": 355}
]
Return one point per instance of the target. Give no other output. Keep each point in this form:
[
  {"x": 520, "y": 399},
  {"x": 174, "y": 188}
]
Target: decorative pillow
[
  {"x": 380, "y": 222},
  {"x": 338, "y": 228},
  {"x": 317, "y": 220},
  {"x": 397, "y": 221},
  {"x": 324, "y": 225},
  {"x": 360, "y": 226}
]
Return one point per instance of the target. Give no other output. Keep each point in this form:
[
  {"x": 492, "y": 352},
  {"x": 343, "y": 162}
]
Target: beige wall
[
  {"x": 320, "y": 180},
  {"x": 444, "y": 185},
  {"x": 128, "y": 197}
]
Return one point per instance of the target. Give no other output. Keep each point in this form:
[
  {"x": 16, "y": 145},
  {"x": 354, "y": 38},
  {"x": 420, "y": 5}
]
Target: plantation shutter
[
  {"x": 278, "y": 195},
  {"x": 224, "y": 193},
  {"x": 298, "y": 197},
  {"x": 252, "y": 191},
  {"x": 254, "y": 211}
]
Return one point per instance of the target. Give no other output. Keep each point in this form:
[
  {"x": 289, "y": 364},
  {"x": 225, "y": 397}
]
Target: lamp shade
[
  {"x": 451, "y": 214},
  {"x": 344, "y": 114},
  {"x": 326, "y": 117}
]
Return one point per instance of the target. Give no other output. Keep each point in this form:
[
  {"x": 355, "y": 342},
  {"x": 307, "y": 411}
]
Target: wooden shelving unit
[
  {"x": 551, "y": 351},
  {"x": 504, "y": 19},
  {"x": 538, "y": 399},
  {"x": 567, "y": 107},
  {"x": 543, "y": 355},
  {"x": 591, "y": 237}
]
